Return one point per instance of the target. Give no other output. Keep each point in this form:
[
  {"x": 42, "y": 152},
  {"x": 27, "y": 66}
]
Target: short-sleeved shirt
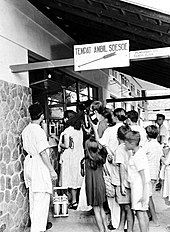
[
  {"x": 164, "y": 133},
  {"x": 138, "y": 162},
  {"x": 36, "y": 174},
  {"x": 154, "y": 153},
  {"x": 122, "y": 156},
  {"x": 109, "y": 137}
]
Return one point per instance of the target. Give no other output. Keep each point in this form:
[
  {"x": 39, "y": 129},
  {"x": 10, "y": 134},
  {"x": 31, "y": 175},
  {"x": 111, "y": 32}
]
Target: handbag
[
  {"x": 110, "y": 189},
  {"x": 67, "y": 141}
]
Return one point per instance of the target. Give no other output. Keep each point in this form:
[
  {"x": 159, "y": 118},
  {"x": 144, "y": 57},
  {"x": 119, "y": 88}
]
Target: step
[{"x": 76, "y": 221}]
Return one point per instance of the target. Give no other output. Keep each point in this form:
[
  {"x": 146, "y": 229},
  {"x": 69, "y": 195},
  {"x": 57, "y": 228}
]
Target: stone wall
[{"x": 14, "y": 102}]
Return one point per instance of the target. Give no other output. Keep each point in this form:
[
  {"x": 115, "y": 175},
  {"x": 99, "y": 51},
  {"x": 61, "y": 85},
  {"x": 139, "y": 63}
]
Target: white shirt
[
  {"x": 122, "y": 156},
  {"x": 109, "y": 137},
  {"x": 138, "y": 162},
  {"x": 153, "y": 153},
  {"x": 164, "y": 133},
  {"x": 36, "y": 174}
]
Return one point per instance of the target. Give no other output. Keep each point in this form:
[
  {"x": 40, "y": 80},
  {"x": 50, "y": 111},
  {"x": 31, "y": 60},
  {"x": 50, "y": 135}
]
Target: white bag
[
  {"x": 65, "y": 141},
  {"x": 82, "y": 206}
]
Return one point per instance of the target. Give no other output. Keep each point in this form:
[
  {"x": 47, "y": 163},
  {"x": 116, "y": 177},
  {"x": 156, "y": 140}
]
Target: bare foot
[{"x": 154, "y": 224}]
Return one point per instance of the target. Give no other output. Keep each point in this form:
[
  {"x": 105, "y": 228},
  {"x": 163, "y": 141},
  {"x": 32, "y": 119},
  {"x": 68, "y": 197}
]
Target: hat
[{"x": 35, "y": 110}]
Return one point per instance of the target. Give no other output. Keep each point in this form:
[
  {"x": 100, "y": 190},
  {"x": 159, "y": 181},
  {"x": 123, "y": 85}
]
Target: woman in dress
[{"x": 71, "y": 141}]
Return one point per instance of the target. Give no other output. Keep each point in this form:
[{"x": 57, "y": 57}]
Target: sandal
[
  {"x": 73, "y": 206},
  {"x": 110, "y": 227},
  {"x": 49, "y": 225}
]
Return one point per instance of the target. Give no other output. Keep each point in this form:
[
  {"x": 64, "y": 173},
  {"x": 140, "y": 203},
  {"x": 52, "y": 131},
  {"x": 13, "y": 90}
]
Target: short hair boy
[
  {"x": 160, "y": 116},
  {"x": 132, "y": 120},
  {"x": 163, "y": 132},
  {"x": 133, "y": 116},
  {"x": 154, "y": 153},
  {"x": 152, "y": 131},
  {"x": 123, "y": 193},
  {"x": 139, "y": 178}
]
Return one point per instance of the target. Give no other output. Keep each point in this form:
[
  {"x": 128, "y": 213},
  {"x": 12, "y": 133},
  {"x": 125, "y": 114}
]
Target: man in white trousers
[{"x": 38, "y": 171}]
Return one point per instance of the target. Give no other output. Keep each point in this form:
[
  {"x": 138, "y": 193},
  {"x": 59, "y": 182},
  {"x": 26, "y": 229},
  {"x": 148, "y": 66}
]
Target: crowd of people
[{"x": 97, "y": 140}]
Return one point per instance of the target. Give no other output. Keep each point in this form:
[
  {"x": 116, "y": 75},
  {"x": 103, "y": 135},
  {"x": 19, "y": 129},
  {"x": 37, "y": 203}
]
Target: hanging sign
[
  {"x": 149, "y": 54},
  {"x": 101, "y": 55}
]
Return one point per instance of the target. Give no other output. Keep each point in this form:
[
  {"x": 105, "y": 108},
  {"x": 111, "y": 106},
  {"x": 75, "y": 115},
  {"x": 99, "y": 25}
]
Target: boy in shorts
[
  {"x": 154, "y": 153},
  {"x": 139, "y": 178},
  {"x": 123, "y": 192}
]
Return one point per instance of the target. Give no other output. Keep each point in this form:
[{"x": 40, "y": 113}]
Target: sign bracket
[{"x": 147, "y": 54}]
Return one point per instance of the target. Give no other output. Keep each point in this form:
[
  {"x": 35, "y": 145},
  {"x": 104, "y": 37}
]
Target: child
[
  {"x": 154, "y": 153},
  {"x": 123, "y": 195},
  {"x": 139, "y": 178},
  {"x": 95, "y": 186}
]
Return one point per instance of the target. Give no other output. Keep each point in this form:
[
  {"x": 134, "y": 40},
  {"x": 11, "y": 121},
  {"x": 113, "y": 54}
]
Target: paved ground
[
  {"x": 80, "y": 221},
  {"x": 163, "y": 212}
]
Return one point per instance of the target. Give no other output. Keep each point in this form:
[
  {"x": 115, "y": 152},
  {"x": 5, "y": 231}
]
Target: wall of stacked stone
[{"x": 14, "y": 103}]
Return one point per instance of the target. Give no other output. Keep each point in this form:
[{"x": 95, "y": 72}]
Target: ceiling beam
[
  {"x": 137, "y": 98},
  {"x": 113, "y": 22},
  {"x": 41, "y": 65}
]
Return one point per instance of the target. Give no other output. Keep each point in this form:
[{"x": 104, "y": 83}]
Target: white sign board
[
  {"x": 101, "y": 55},
  {"x": 150, "y": 54}
]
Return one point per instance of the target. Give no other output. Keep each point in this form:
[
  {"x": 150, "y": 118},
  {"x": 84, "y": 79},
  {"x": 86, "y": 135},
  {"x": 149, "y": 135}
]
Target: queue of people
[{"x": 135, "y": 159}]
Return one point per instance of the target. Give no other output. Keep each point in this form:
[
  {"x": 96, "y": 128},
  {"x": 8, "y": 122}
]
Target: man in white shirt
[
  {"x": 38, "y": 171},
  {"x": 163, "y": 132},
  {"x": 162, "y": 138}
]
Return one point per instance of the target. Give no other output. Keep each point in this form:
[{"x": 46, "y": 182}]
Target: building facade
[{"x": 26, "y": 36}]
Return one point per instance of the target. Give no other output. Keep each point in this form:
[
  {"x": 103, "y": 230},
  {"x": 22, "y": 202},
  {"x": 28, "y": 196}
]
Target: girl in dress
[{"x": 95, "y": 186}]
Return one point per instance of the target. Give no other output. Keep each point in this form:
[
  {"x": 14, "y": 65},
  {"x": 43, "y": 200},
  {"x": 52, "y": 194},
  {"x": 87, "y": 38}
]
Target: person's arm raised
[{"x": 95, "y": 128}]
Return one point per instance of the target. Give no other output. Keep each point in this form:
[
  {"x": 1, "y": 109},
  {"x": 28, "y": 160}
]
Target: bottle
[
  {"x": 64, "y": 205},
  {"x": 52, "y": 128},
  {"x": 56, "y": 204},
  {"x": 65, "y": 141},
  {"x": 44, "y": 126}
]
